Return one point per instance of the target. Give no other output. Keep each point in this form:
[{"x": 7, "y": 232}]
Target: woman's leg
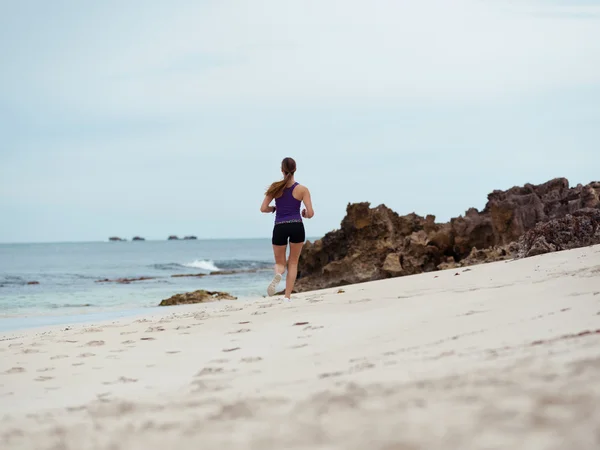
[
  {"x": 292, "y": 268},
  {"x": 279, "y": 253}
]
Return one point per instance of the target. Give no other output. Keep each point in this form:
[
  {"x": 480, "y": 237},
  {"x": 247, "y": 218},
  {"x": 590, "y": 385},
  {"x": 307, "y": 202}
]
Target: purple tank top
[{"x": 288, "y": 208}]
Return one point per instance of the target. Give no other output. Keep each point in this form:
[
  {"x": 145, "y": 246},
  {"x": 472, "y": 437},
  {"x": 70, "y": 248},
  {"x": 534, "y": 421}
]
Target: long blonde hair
[{"x": 288, "y": 167}]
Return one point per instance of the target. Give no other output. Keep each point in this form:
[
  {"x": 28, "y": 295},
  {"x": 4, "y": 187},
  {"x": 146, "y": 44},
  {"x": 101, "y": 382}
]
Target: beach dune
[{"x": 502, "y": 355}]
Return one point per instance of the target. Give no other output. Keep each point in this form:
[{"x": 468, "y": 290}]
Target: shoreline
[
  {"x": 51, "y": 322},
  {"x": 499, "y": 355}
]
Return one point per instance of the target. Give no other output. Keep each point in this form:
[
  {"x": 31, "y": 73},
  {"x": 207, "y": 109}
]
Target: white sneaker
[{"x": 272, "y": 287}]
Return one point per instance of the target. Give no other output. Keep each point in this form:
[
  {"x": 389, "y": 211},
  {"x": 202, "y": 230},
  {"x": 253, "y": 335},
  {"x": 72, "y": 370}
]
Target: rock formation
[
  {"x": 125, "y": 280},
  {"x": 116, "y": 239},
  {"x": 173, "y": 238},
  {"x": 377, "y": 243},
  {"x": 138, "y": 238},
  {"x": 196, "y": 297},
  {"x": 190, "y": 238},
  {"x": 580, "y": 229}
]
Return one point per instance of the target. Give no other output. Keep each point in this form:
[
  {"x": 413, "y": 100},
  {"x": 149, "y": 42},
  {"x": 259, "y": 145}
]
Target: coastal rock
[
  {"x": 196, "y": 297},
  {"x": 190, "y": 238},
  {"x": 377, "y": 243},
  {"x": 580, "y": 229},
  {"x": 124, "y": 280},
  {"x": 173, "y": 238},
  {"x": 116, "y": 239},
  {"x": 138, "y": 238},
  {"x": 182, "y": 275}
]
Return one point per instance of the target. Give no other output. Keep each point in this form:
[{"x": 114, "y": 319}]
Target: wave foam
[{"x": 203, "y": 264}]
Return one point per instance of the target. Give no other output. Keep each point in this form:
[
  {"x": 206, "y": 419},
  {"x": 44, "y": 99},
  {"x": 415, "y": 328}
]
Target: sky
[{"x": 154, "y": 118}]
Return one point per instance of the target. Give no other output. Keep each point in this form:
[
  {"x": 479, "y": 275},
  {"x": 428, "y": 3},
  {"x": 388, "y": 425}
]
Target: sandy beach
[{"x": 502, "y": 355}]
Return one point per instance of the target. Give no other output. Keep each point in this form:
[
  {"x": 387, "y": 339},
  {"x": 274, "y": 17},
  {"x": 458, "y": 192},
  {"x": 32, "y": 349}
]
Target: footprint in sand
[
  {"x": 128, "y": 332},
  {"x": 172, "y": 352},
  {"x": 299, "y": 346},
  {"x": 86, "y": 355},
  {"x": 362, "y": 367},
  {"x": 210, "y": 371},
  {"x": 220, "y": 361},
  {"x": 15, "y": 344},
  {"x": 241, "y": 330},
  {"x": 93, "y": 330},
  {"x": 45, "y": 369},
  {"x": 227, "y": 350},
  {"x": 95, "y": 344},
  {"x": 258, "y": 313},
  {"x": 154, "y": 329},
  {"x": 30, "y": 350},
  {"x": 251, "y": 359},
  {"x": 123, "y": 380},
  {"x": 16, "y": 370},
  {"x": 78, "y": 364},
  {"x": 128, "y": 342},
  {"x": 59, "y": 357},
  {"x": 42, "y": 378},
  {"x": 362, "y": 300},
  {"x": 330, "y": 374},
  {"x": 147, "y": 339}
]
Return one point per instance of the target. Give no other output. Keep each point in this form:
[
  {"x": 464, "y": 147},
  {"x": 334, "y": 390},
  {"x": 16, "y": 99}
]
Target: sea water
[{"x": 69, "y": 273}]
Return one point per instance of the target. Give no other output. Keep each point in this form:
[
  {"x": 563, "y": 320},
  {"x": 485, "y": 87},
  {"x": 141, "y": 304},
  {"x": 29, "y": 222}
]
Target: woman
[{"x": 288, "y": 196}]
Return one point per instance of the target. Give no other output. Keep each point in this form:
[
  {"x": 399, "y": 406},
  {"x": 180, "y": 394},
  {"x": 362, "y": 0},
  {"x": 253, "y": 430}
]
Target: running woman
[{"x": 289, "y": 228}]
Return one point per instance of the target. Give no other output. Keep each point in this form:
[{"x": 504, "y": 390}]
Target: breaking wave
[{"x": 203, "y": 264}]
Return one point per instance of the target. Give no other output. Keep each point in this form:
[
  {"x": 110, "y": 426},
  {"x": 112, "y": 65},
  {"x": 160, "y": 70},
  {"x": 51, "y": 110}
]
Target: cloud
[{"x": 196, "y": 56}]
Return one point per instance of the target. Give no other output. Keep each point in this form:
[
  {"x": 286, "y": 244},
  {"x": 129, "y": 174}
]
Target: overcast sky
[{"x": 171, "y": 117}]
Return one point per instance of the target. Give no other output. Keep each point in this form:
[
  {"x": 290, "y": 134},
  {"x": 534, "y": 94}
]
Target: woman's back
[{"x": 288, "y": 207}]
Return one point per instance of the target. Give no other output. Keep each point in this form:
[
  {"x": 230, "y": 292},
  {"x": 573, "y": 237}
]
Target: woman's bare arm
[
  {"x": 265, "y": 208},
  {"x": 307, "y": 212}
]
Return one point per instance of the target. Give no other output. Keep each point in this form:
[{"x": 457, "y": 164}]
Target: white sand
[{"x": 486, "y": 359}]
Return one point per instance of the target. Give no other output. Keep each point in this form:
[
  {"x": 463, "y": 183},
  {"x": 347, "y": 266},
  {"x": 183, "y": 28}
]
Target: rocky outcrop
[
  {"x": 580, "y": 229},
  {"x": 184, "y": 275},
  {"x": 377, "y": 243},
  {"x": 200, "y": 296},
  {"x": 173, "y": 238},
  {"x": 125, "y": 280},
  {"x": 138, "y": 238},
  {"x": 190, "y": 238},
  {"x": 116, "y": 239}
]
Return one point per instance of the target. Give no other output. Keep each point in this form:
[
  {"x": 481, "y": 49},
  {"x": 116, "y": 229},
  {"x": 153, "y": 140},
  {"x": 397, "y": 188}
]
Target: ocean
[{"x": 68, "y": 275}]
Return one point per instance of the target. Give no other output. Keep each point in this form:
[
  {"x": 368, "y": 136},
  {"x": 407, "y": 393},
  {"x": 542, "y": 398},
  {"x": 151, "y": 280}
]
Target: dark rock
[
  {"x": 580, "y": 229},
  {"x": 138, "y": 238},
  {"x": 190, "y": 238},
  {"x": 173, "y": 238},
  {"x": 33, "y": 282},
  {"x": 377, "y": 243},
  {"x": 125, "y": 280},
  {"x": 196, "y": 297},
  {"x": 116, "y": 239},
  {"x": 181, "y": 275}
]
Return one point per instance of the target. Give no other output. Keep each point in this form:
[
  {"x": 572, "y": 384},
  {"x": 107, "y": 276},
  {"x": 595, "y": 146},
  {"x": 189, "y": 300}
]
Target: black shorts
[{"x": 293, "y": 231}]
